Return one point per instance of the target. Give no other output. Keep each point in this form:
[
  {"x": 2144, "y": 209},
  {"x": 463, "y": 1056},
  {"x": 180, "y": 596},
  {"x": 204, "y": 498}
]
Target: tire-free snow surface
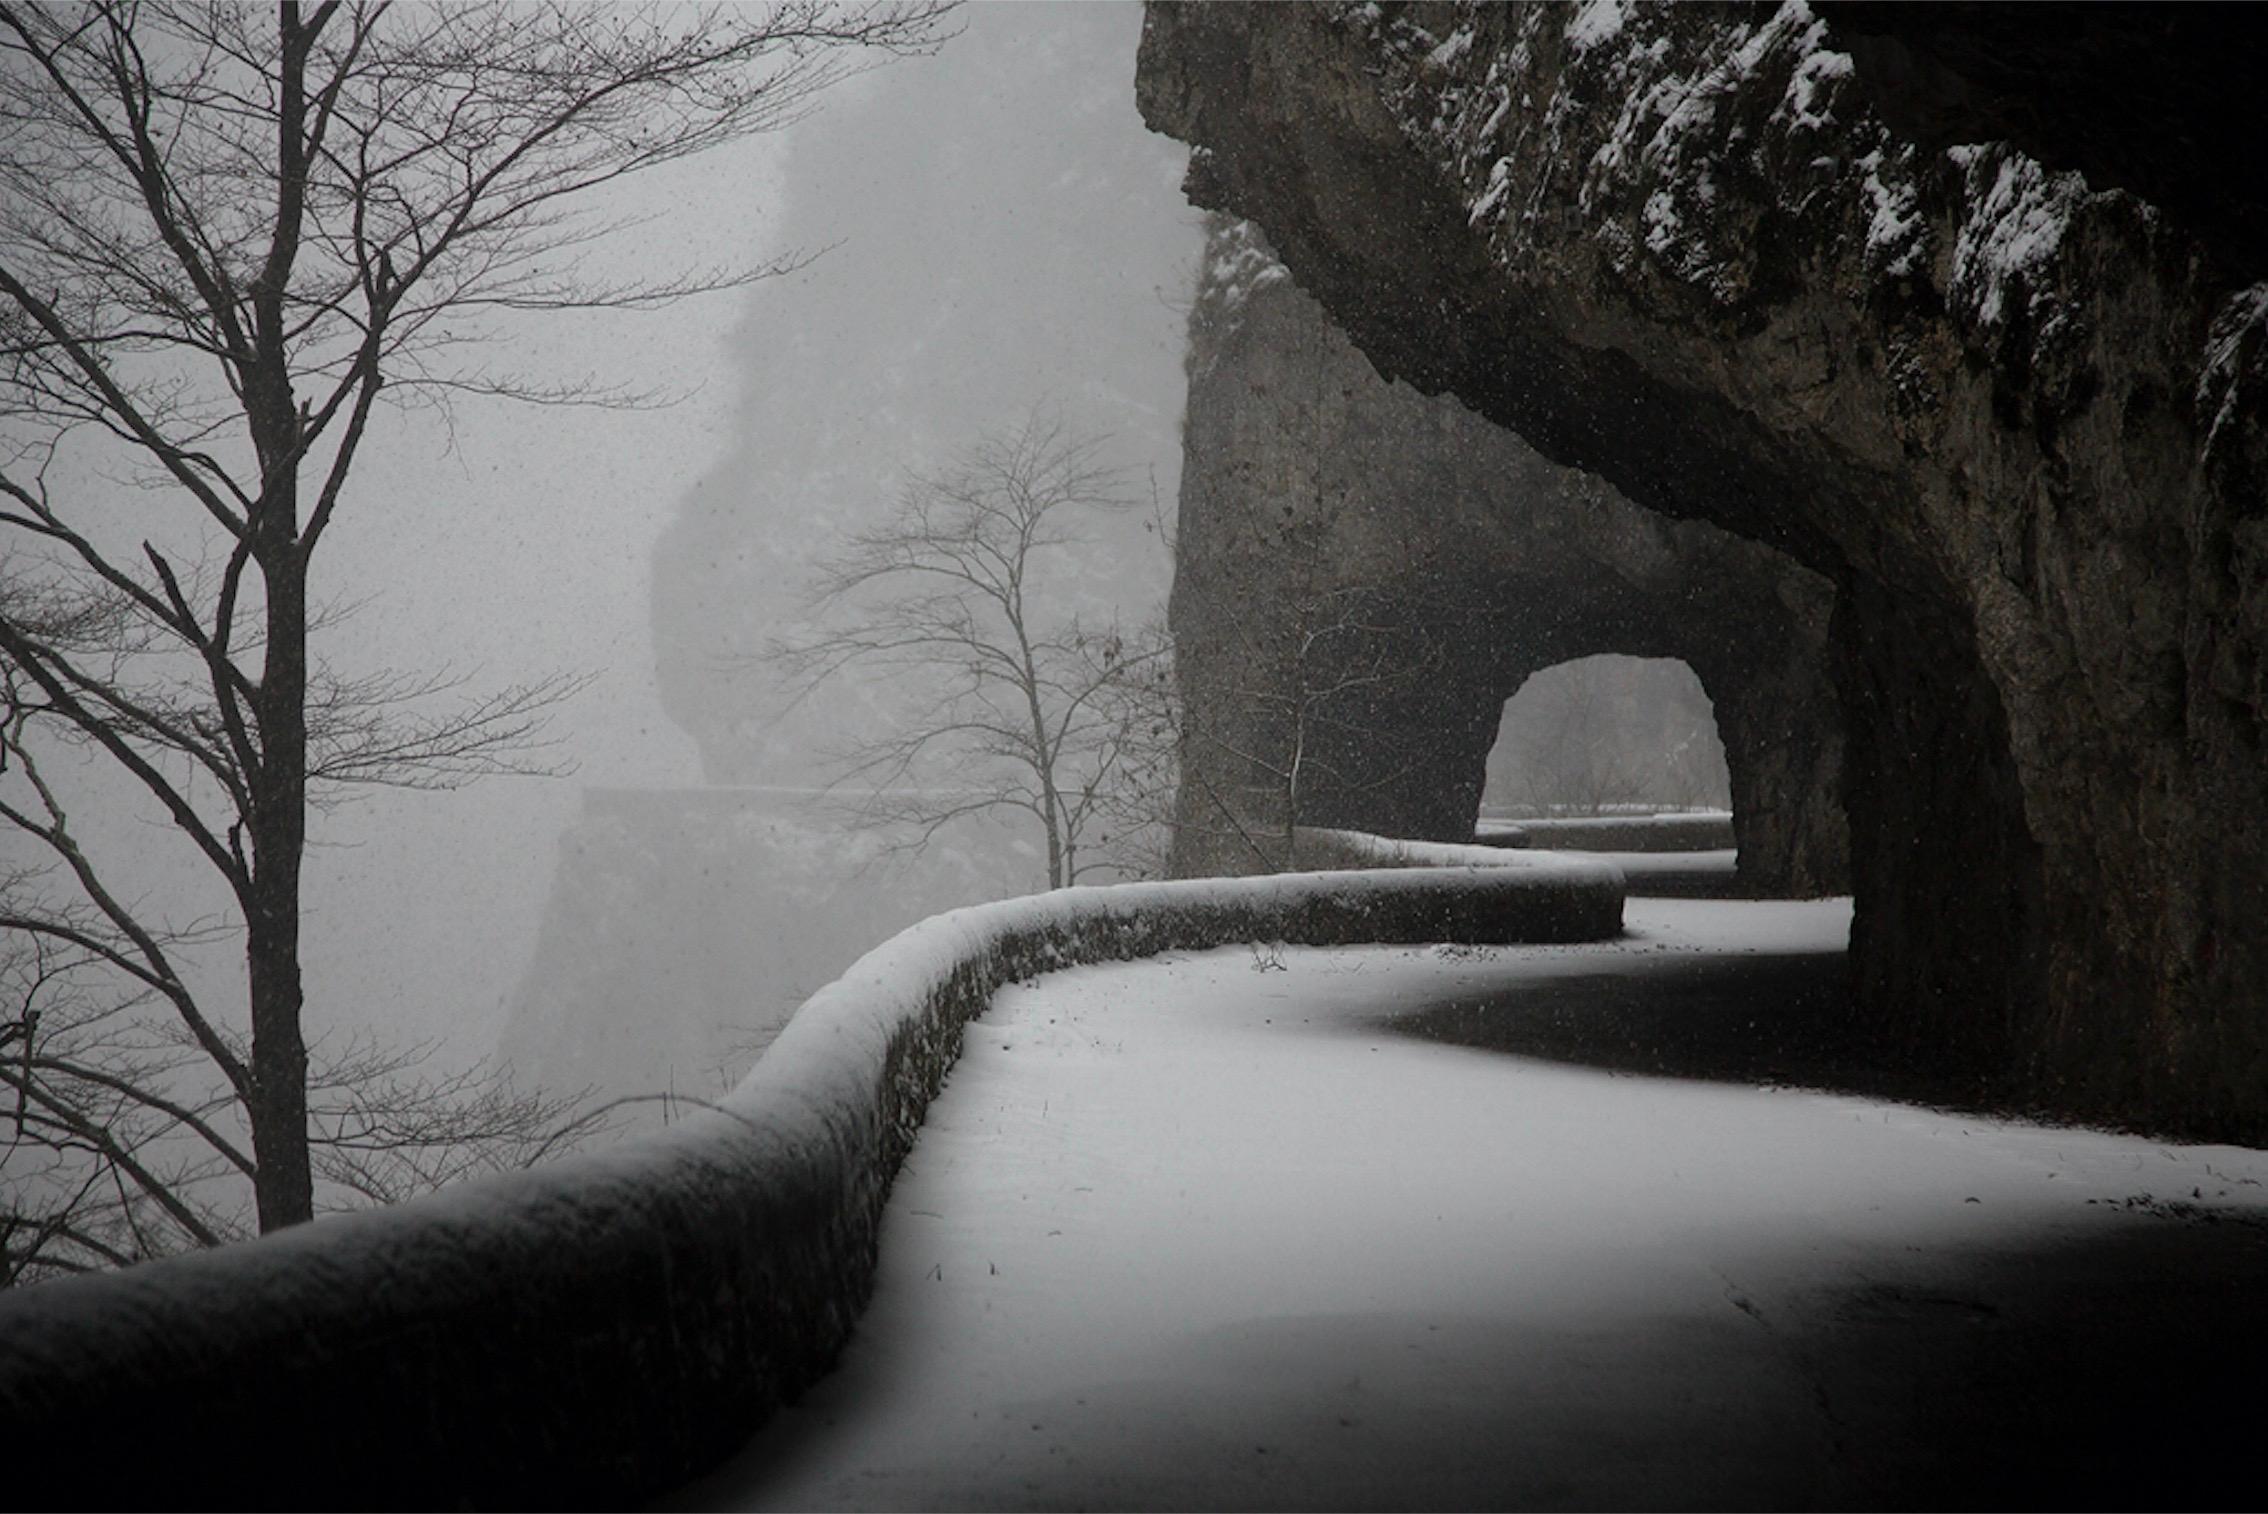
[{"x": 1205, "y": 1232}]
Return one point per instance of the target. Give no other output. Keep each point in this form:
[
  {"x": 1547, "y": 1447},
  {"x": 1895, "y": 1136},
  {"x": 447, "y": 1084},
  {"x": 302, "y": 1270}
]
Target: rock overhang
[
  {"x": 2015, "y": 418},
  {"x": 1307, "y": 478}
]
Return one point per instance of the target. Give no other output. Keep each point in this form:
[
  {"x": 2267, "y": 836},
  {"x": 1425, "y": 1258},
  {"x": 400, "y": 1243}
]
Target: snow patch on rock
[
  {"x": 2236, "y": 344},
  {"x": 1459, "y": 43},
  {"x": 2017, "y": 215},
  {"x": 1240, "y": 265},
  {"x": 1669, "y": 129},
  {"x": 1647, "y": 109},
  {"x": 1897, "y": 240},
  {"x": 1808, "y": 103},
  {"x": 1492, "y": 198},
  {"x": 1595, "y": 22}
]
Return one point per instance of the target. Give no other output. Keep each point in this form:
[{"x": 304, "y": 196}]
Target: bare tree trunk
[
  {"x": 1043, "y": 756},
  {"x": 283, "y": 1183},
  {"x": 1291, "y": 791},
  {"x": 1051, "y": 801},
  {"x": 283, "y": 1186}
]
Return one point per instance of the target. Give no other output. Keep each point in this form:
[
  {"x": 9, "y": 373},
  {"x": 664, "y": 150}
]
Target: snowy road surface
[{"x": 1201, "y": 1232}]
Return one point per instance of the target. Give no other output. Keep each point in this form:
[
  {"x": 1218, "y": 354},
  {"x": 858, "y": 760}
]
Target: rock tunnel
[
  {"x": 1366, "y": 574},
  {"x": 1781, "y": 273}
]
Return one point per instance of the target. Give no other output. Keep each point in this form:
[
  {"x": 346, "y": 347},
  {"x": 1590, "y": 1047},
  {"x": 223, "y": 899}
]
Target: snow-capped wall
[
  {"x": 595, "y": 1331},
  {"x": 1320, "y": 846},
  {"x": 1698, "y": 831},
  {"x": 2014, "y": 414}
]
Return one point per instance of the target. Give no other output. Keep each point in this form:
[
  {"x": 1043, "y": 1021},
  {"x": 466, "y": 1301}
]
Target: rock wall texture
[
  {"x": 596, "y": 1331},
  {"x": 1364, "y": 574},
  {"x": 2015, "y": 418}
]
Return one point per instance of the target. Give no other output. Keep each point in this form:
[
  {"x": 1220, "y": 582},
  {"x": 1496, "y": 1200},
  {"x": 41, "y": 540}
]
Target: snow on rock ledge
[{"x": 600, "y": 1329}]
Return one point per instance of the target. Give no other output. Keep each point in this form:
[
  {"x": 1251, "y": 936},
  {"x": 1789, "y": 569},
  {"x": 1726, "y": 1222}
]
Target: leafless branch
[{"x": 1014, "y": 703}]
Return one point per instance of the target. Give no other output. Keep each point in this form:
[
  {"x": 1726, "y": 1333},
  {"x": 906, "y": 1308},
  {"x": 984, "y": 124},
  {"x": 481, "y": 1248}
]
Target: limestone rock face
[
  {"x": 2017, "y": 420},
  {"x": 1365, "y": 574}
]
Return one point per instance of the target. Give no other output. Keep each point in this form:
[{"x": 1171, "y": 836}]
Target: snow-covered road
[{"x": 1203, "y": 1232}]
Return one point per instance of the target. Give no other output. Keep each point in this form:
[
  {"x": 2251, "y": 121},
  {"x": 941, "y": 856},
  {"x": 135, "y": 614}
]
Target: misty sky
[
  {"x": 999, "y": 230},
  {"x": 1003, "y": 234},
  {"x": 990, "y": 230}
]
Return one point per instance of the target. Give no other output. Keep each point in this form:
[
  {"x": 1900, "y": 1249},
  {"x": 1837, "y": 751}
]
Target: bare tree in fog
[
  {"x": 1020, "y": 706},
  {"x": 1569, "y": 756},
  {"x": 119, "y": 1140},
  {"x": 1313, "y": 685},
  {"x": 1135, "y": 813},
  {"x": 225, "y": 234}
]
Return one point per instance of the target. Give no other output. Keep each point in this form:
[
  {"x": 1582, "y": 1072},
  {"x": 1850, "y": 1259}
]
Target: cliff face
[
  {"x": 2015, "y": 420},
  {"x": 1365, "y": 575}
]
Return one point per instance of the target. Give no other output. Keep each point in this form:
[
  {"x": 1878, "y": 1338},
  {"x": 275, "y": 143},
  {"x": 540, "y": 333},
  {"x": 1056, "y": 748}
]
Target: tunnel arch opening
[{"x": 1607, "y": 734}]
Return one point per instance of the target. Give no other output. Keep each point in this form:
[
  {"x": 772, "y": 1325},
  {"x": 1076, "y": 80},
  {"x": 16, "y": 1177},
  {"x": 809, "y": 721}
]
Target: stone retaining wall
[
  {"x": 1701, "y": 831},
  {"x": 598, "y": 1330}
]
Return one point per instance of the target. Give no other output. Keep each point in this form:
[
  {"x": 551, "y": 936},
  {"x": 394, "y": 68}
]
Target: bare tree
[
  {"x": 1568, "y": 755},
  {"x": 1014, "y": 703},
  {"x": 226, "y": 235},
  {"x": 119, "y": 1140},
  {"x": 1135, "y": 813},
  {"x": 1310, "y": 690}
]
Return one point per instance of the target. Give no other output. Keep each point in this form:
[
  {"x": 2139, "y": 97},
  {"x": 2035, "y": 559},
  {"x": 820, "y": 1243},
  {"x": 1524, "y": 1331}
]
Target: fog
[
  {"x": 510, "y": 543},
  {"x": 1607, "y": 732},
  {"x": 1003, "y": 233},
  {"x": 990, "y": 229},
  {"x": 976, "y": 237}
]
